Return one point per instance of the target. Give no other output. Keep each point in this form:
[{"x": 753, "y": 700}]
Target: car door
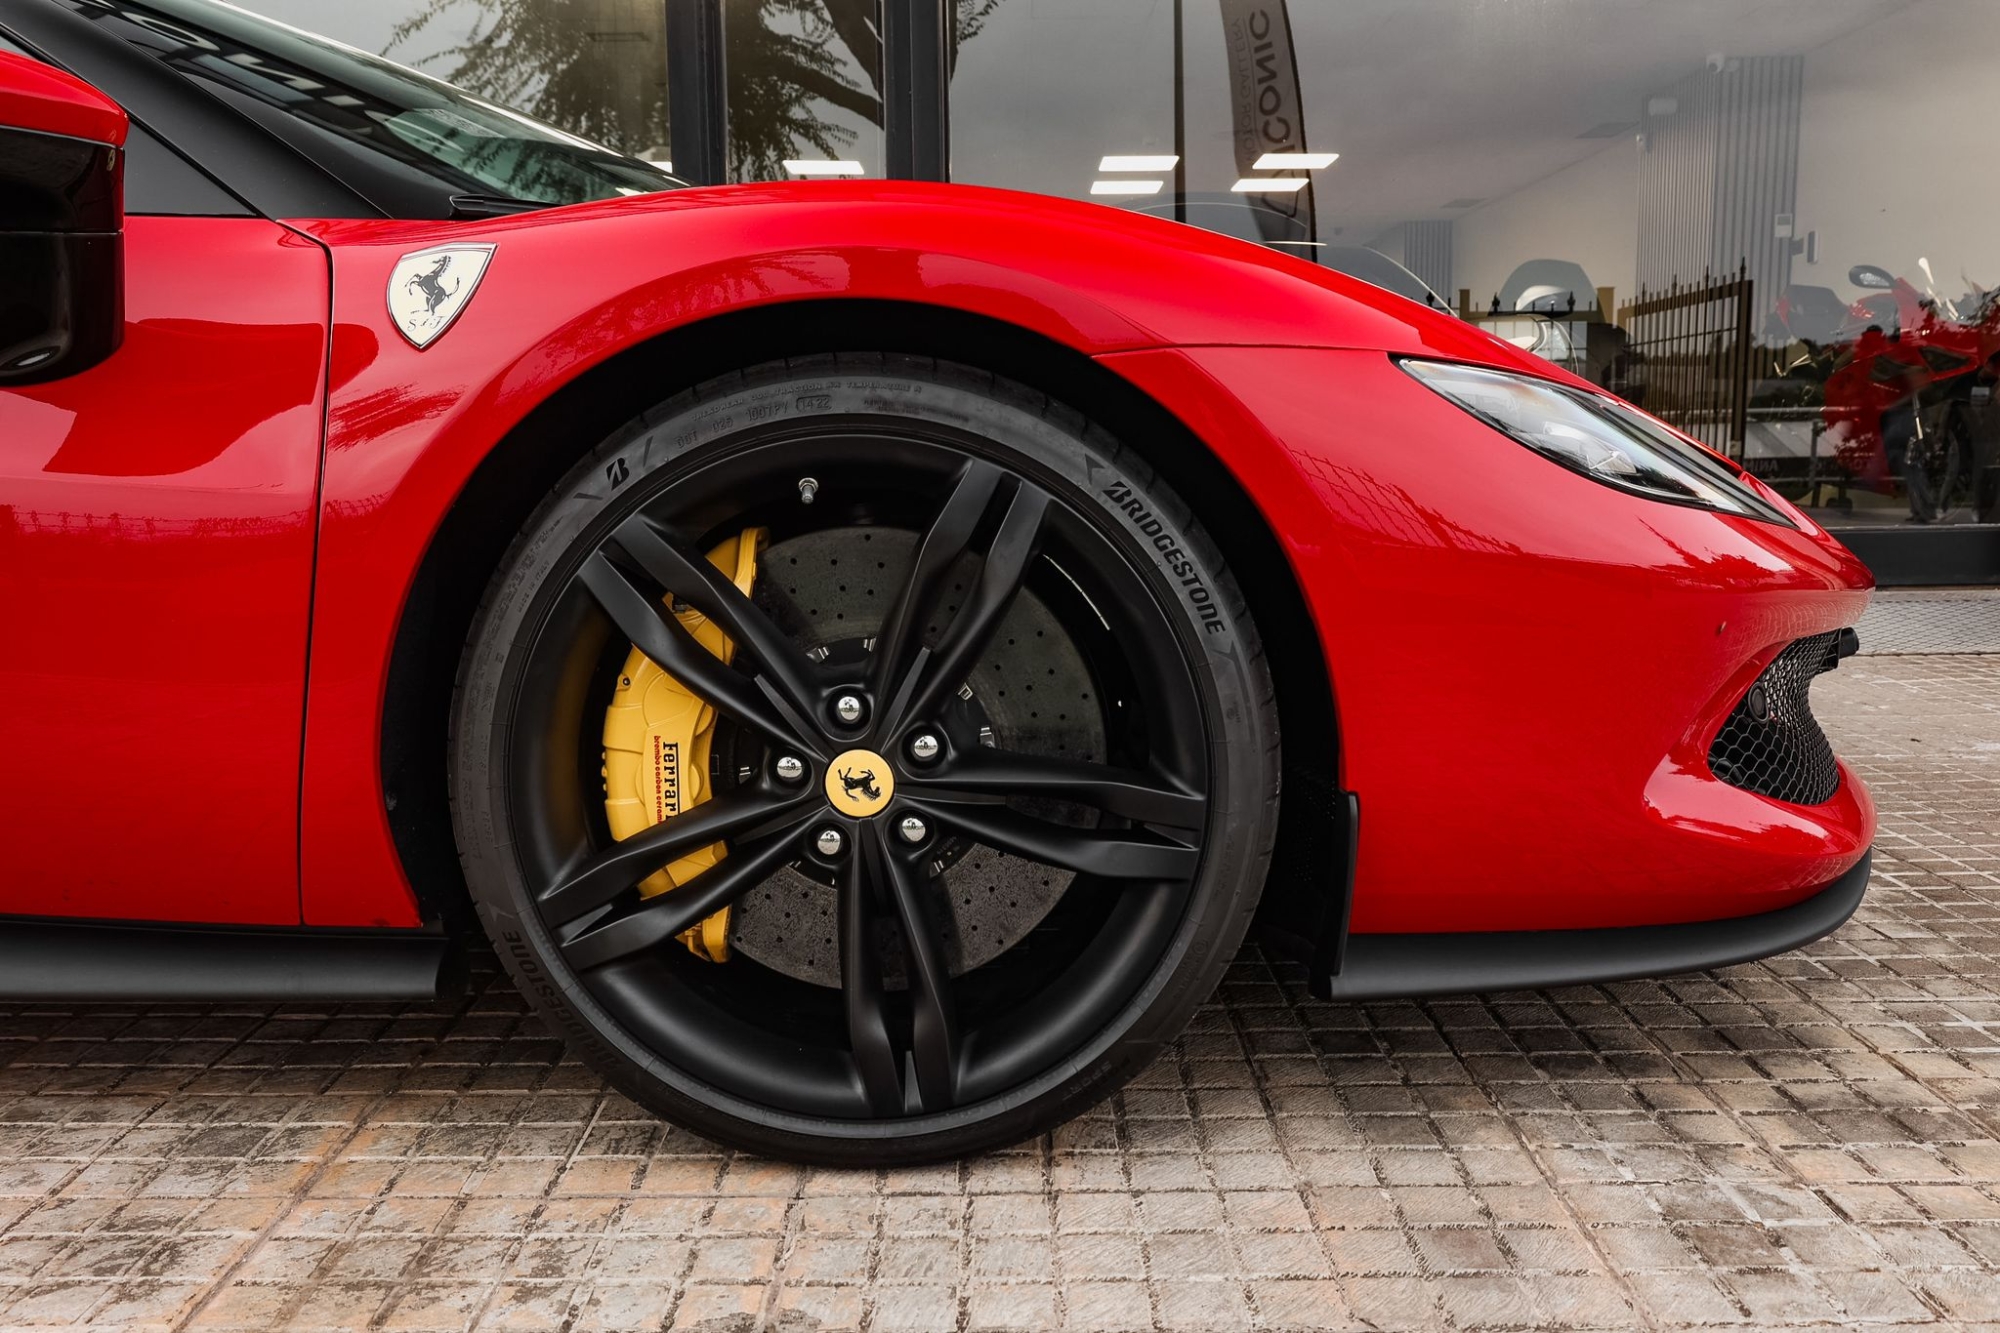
[{"x": 157, "y": 516}]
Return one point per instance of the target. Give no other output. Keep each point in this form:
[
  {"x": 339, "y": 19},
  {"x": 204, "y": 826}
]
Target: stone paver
[{"x": 1813, "y": 1141}]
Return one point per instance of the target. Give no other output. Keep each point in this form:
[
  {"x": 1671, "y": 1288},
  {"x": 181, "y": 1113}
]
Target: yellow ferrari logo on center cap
[{"x": 859, "y": 783}]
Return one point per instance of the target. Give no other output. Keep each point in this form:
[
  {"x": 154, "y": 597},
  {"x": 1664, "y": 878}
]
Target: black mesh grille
[{"x": 1771, "y": 743}]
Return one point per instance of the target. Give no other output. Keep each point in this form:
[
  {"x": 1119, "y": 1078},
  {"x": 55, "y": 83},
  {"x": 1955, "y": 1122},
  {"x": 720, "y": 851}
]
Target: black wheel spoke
[
  {"x": 950, "y": 537},
  {"x": 659, "y": 635},
  {"x": 665, "y": 915},
  {"x": 933, "y": 1017},
  {"x": 990, "y": 774},
  {"x": 1112, "y": 853},
  {"x": 861, "y": 992},
  {"x": 1006, "y": 565},
  {"x": 695, "y": 580},
  {"x": 626, "y": 863}
]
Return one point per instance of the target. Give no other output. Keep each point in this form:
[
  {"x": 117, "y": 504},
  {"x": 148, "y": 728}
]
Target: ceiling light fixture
[
  {"x": 1295, "y": 161},
  {"x": 1127, "y": 187},
  {"x": 821, "y": 167},
  {"x": 1139, "y": 162},
  {"x": 1270, "y": 185}
]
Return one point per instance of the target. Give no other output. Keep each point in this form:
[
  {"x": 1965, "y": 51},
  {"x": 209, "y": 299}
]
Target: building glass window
[
  {"x": 1040, "y": 92},
  {"x": 1764, "y": 223},
  {"x": 1760, "y": 222},
  {"x": 805, "y": 88},
  {"x": 597, "y": 68},
  {"x": 804, "y": 77}
]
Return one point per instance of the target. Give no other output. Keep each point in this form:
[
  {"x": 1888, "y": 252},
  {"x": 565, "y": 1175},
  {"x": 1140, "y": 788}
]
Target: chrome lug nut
[
  {"x": 849, "y": 708},
  {"x": 912, "y": 829},
  {"x": 829, "y": 842},
  {"x": 791, "y": 768},
  {"x": 925, "y": 748}
]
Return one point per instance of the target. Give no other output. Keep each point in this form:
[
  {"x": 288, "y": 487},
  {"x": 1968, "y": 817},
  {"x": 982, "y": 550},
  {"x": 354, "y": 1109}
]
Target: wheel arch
[{"x": 521, "y": 467}]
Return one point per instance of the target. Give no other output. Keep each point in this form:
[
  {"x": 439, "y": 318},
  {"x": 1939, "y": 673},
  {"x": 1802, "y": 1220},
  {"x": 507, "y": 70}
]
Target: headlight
[{"x": 1598, "y": 436}]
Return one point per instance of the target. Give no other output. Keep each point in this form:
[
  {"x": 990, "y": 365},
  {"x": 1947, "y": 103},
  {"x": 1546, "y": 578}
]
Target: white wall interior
[
  {"x": 1896, "y": 150},
  {"x": 1894, "y": 165},
  {"x": 1587, "y": 213}
]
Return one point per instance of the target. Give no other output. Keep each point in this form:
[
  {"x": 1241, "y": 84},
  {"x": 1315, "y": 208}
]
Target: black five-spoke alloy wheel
[{"x": 989, "y": 773}]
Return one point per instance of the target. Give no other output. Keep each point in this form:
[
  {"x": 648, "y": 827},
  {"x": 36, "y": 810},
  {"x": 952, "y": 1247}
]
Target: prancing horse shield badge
[{"x": 428, "y": 288}]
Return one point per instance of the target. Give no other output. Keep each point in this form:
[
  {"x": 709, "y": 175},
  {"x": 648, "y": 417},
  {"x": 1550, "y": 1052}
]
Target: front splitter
[{"x": 1378, "y": 967}]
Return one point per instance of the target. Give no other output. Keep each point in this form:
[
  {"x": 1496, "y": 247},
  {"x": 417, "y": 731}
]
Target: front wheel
[{"x": 864, "y": 761}]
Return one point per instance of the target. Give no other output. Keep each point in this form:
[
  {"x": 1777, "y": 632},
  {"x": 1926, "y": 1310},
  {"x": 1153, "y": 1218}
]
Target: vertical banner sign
[{"x": 1268, "y": 114}]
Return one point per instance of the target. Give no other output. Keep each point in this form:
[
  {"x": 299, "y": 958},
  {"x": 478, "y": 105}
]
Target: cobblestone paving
[{"x": 1812, "y": 1141}]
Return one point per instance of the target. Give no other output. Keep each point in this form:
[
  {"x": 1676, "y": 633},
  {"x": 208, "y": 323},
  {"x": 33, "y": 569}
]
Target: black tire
[{"x": 1142, "y": 932}]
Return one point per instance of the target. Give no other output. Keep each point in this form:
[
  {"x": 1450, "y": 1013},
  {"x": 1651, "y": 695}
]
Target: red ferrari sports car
[{"x": 863, "y": 653}]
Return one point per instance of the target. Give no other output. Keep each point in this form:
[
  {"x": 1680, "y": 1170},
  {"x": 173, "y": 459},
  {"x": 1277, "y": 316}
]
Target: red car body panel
[
  {"x": 1527, "y": 665},
  {"x": 161, "y": 506},
  {"x": 56, "y": 102},
  {"x": 1529, "y": 668},
  {"x": 570, "y": 288}
]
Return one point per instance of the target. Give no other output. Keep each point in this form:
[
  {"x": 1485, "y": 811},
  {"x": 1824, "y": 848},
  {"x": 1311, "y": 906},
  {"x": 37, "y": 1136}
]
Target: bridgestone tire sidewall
[{"x": 1039, "y": 439}]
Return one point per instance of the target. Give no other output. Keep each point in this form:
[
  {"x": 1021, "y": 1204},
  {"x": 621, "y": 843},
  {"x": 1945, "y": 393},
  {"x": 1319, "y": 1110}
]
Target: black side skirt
[
  {"x": 70, "y": 960},
  {"x": 1378, "y": 967}
]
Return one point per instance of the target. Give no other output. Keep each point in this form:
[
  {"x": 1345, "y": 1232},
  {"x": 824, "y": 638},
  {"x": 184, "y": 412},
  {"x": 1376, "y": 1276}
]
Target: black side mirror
[
  {"x": 1875, "y": 279},
  {"x": 62, "y": 223}
]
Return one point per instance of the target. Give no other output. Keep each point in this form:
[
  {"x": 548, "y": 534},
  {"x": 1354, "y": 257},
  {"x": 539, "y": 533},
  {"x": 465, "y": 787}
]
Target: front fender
[{"x": 567, "y": 289}]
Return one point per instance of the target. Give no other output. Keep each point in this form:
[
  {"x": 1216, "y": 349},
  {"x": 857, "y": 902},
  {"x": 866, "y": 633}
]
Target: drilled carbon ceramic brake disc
[{"x": 1031, "y": 689}]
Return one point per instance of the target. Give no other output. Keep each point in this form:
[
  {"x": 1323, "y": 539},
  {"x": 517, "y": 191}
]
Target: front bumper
[
  {"x": 1528, "y": 669},
  {"x": 1378, "y": 967}
]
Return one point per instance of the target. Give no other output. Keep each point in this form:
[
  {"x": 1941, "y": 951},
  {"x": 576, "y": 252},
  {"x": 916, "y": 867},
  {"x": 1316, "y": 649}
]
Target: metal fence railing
[{"x": 1687, "y": 358}]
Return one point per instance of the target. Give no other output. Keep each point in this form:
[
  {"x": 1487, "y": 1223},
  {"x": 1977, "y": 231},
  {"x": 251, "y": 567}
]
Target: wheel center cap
[{"x": 859, "y": 783}]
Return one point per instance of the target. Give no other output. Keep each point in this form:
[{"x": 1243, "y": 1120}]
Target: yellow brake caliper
[{"x": 656, "y": 742}]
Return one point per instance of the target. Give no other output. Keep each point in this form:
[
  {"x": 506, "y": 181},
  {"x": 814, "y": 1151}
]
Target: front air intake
[{"x": 1771, "y": 744}]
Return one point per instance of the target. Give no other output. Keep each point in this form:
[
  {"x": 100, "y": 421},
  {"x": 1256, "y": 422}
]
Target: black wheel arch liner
[{"x": 1311, "y": 871}]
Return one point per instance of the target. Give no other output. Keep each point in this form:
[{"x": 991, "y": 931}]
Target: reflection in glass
[
  {"x": 595, "y": 67},
  {"x": 1895, "y": 391},
  {"x": 805, "y": 84},
  {"x": 1760, "y": 221},
  {"x": 805, "y": 79},
  {"x": 440, "y": 146}
]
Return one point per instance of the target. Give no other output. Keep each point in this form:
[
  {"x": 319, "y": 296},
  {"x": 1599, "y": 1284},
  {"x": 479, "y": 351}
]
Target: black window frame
[
  {"x": 916, "y": 114},
  {"x": 265, "y": 175},
  {"x": 160, "y": 180}
]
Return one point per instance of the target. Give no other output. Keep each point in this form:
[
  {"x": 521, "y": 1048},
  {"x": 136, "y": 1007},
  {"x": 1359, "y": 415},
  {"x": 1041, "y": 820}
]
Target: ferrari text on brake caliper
[{"x": 657, "y": 738}]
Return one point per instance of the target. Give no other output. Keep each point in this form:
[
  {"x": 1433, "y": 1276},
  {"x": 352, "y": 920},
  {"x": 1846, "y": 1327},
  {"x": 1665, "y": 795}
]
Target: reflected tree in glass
[
  {"x": 593, "y": 67},
  {"x": 786, "y": 61},
  {"x": 968, "y": 17},
  {"x": 574, "y": 64},
  {"x": 784, "y": 66}
]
